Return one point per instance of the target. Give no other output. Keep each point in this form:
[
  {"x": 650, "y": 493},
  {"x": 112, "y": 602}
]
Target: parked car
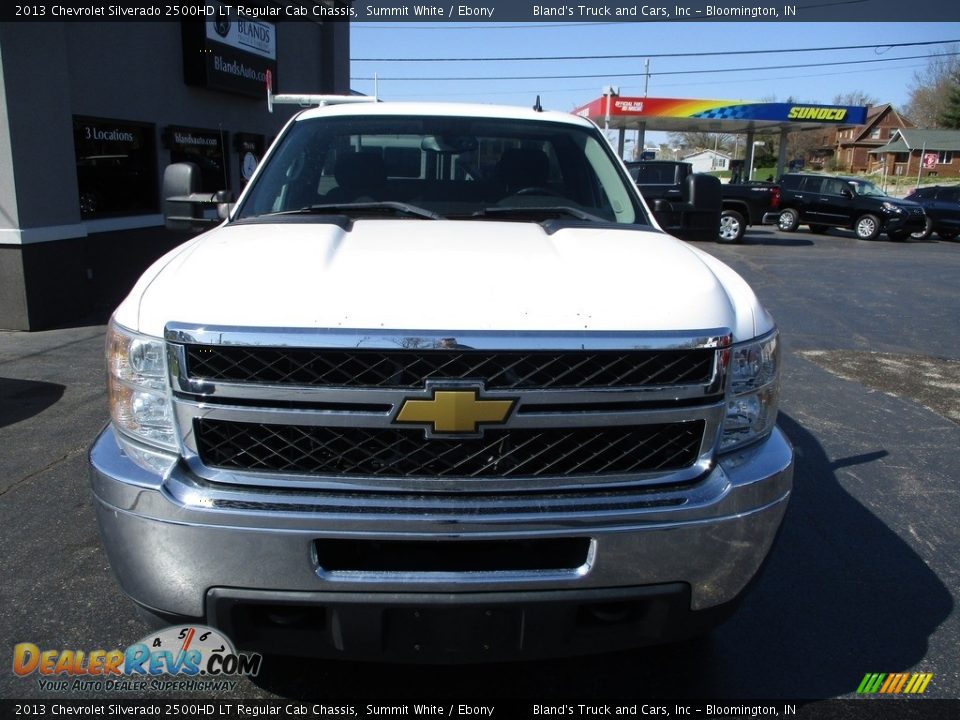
[
  {"x": 942, "y": 205},
  {"x": 824, "y": 201}
]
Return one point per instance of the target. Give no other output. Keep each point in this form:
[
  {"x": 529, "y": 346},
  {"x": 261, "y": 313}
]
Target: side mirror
[
  {"x": 661, "y": 205},
  {"x": 183, "y": 206},
  {"x": 224, "y": 200}
]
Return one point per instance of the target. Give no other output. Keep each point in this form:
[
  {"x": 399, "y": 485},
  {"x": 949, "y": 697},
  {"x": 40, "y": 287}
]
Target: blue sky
[{"x": 888, "y": 80}]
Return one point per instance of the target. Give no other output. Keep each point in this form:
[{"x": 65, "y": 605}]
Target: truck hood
[{"x": 439, "y": 275}]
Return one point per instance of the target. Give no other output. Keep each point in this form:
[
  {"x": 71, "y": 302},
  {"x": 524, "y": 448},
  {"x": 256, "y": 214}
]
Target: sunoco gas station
[{"x": 614, "y": 112}]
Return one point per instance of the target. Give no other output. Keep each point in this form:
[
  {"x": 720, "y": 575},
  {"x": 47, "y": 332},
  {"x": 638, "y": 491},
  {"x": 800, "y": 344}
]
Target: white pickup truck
[{"x": 437, "y": 389}]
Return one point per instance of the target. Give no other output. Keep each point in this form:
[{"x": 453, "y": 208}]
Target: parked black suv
[
  {"x": 824, "y": 201},
  {"x": 942, "y": 205}
]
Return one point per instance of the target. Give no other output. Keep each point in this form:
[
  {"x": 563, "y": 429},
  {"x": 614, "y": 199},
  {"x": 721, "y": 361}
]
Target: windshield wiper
[
  {"x": 549, "y": 211},
  {"x": 397, "y": 208}
]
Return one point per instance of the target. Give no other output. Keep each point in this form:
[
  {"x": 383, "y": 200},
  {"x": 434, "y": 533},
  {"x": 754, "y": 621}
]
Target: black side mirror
[{"x": 183, "y": 206}]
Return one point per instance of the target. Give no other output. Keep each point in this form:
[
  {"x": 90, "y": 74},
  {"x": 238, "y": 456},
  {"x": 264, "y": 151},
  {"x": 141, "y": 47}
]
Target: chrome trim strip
[
  {"x": 187, "y": 409},
  {"x": 337, "y": 338},
  {"x": 382, "y": 396}
]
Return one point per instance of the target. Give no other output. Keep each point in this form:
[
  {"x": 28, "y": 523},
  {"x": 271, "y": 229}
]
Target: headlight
[
  {"x": 753, "y": 392},
  {"x": 137, "y": 387},
  {"x": 890, "y": 207}
]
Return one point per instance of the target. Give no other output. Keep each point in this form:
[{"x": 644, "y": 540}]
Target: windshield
[
  {"x": 449, "y": 167},
  {"x": 862, "y": 187}
]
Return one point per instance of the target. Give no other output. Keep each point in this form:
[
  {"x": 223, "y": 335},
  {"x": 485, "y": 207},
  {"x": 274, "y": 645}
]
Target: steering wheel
[{"x": 537, "y": 190}]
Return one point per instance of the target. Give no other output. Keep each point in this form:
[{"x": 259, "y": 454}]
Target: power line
[
  {"x": 874, "y": 46},
  {"x": 539, "y": 89},
  {"x": 652, "y": 74}
]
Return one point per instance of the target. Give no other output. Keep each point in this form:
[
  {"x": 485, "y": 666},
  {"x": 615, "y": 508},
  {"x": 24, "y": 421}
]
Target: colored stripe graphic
[
  {"x": 918, "y": 683},
  {"x": 871, "y": 683},
  {"x": 894, "y": 683}
]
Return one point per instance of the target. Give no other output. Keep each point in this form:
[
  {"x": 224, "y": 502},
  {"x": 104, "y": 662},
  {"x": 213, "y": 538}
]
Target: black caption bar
[
  {"x": 861, "y": 709},
  {"x": 453, "y": 11}
]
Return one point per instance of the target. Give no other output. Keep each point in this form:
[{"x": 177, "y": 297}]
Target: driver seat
[{"x": 360, "y": 177}]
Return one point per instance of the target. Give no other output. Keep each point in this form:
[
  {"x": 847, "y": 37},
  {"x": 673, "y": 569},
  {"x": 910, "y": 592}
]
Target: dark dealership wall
[
  {"x": 134, "y": 71},
  {"x": 36, "y": 81},
  {"x": 53, "y": 72},
  {"x": 79, "y": 280}
]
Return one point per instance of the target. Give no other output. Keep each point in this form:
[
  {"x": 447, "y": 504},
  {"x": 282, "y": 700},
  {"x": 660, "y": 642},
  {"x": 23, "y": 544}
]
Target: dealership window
[
  {"x": 944, "y": 157},
  {"x": 116, "y": 167},
  {"x": 203, "y": 147},
  {"x": 249, "y": 148}
]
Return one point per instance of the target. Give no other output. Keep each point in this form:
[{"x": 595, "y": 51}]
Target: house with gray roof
[{"x": 918, "y": 152}]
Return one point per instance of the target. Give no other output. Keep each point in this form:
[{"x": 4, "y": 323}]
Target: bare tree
[
  {"x": 694, "y": 141},
  {"x": 855, "y": 97},
  {"x": 930, "y": 89}
]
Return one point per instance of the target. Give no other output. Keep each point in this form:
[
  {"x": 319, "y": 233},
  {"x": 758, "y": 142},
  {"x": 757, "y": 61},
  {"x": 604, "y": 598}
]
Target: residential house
[
  {"x": 918, "y": 152},
  {"x": 705, "y": 161},
  {"x": 848, "y": 148}
]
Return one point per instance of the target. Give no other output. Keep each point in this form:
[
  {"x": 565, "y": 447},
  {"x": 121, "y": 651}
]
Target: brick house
[
  {"x": 931, "y": 153},
  {"x": 848, "y": 148}
]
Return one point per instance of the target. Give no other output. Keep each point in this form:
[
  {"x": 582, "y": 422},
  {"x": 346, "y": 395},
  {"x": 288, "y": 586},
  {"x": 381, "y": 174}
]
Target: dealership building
[{"x": 92, "y": 112}]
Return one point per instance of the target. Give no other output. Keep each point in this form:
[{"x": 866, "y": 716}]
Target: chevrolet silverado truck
[
  {"x": 738, "y": 205},
  {"x": 437, "y": 389}
]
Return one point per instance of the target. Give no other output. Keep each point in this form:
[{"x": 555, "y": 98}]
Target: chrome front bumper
[{"x": 174, "y": 539}]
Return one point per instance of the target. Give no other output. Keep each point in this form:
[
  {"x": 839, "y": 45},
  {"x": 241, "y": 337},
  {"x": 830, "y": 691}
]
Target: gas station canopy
[
  {"x": 718, "y": 116},
  {"x": 611, "y": 111}
]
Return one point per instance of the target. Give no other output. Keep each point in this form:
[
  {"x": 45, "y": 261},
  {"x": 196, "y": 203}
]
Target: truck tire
[
  {"x": 867, "y": 227},
  {"x": 732, "y": 227},
  {"x": 789, "y": 220}
]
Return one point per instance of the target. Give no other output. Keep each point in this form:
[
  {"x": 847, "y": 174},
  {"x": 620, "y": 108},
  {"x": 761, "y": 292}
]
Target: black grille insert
[
  {"x": 389, "y": 452},
  {"x": 452, "y": 556},
  {"x": 411, "y": 368}
]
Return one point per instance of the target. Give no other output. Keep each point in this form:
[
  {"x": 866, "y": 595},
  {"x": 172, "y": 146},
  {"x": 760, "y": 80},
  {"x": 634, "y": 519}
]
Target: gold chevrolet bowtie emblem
[{"x": 454, "y": 411}]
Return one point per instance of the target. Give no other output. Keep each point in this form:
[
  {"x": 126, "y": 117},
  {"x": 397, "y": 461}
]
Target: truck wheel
[
  {"x": 819, "y": 229},
  {"x": 732, "y": 227},
  {"x": 925, "y": 233},
  {"x": 789, "y": 220},
  {"x": 867, "y": 227}
]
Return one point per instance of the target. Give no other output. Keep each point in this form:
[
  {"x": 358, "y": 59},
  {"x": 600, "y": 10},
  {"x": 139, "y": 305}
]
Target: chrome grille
[
  {"x": 569, "y": 452},
  {"x": 412, "y": 368},
  {"x": 315, "y": 411}
]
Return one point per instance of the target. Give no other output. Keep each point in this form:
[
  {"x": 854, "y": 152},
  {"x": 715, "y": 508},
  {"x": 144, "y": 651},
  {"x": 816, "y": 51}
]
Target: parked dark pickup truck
[
  {"x": 740, "y": 205},
  {"x": 749, "y": 203}
]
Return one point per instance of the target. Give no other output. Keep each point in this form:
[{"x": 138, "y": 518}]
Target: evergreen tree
[{"x": 950, "y": 115}]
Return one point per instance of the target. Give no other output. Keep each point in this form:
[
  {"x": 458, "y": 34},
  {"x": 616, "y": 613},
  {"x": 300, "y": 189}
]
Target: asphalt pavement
[{"x": 865, "y": 576}]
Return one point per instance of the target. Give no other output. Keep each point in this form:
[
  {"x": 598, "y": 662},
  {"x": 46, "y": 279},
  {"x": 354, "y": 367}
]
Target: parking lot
[{"x": 865, "y": 576}]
